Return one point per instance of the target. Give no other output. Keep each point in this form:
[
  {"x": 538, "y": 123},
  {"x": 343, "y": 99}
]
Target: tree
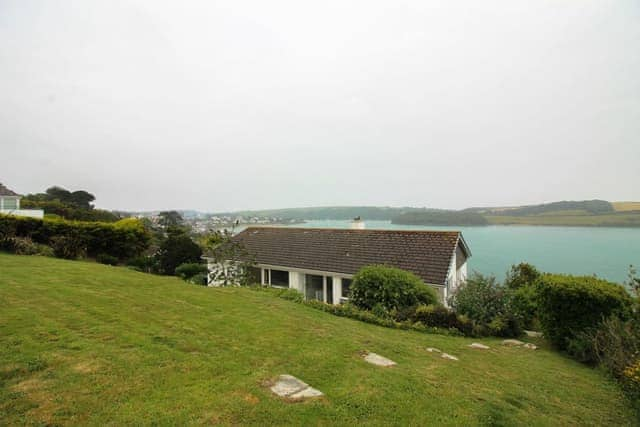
[
  {"x": 231, "y": 262},
  {"x": 520, "y": 275},
  {"x": 177, "y": 249},
  {"x": 170, "y": 219}
]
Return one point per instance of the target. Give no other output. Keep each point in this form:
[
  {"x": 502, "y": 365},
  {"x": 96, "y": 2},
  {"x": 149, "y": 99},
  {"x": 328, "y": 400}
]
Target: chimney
[{"x": 357, "y": 223}]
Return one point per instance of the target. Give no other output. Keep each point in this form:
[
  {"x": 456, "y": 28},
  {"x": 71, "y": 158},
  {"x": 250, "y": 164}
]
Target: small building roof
[
  {"x": 4, "y": 191},
  {"x": 427, "y": 254}
]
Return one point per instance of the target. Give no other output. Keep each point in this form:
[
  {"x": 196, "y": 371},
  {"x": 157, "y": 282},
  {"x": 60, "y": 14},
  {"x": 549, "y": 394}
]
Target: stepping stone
[
  {"x": 512, "y": 343},
  {"x": 479, "y": 346},
  {"x": 378, "y": 360},
  {"x": 533, "y": 334},
  {"x": 448, "y": 356},
  {"x": 530, "y": 346},
  {"x": 291, "y": 387},
  {"x": 433, "y": 350}
]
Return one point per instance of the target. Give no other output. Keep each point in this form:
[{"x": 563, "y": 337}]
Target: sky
[{"x": 231, "y": 105}]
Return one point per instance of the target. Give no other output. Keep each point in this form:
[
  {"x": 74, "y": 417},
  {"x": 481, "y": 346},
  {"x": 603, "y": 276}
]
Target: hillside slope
[{"x": 82, "y": 343}]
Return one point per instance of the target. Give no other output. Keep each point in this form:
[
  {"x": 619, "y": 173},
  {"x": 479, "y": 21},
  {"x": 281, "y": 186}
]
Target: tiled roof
[
  {"x": 425, "y": 253},
  {"x": 4, "y": 191}
]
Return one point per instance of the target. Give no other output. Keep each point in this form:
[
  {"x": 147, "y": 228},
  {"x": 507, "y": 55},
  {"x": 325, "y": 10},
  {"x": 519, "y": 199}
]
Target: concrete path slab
[
  {"x": 479, "y": 346},
  {"x": 291, "y": 387},
  {"x": 378, "y": 360},
  {"x": 448, "y": 356},
  {"x": 533, "y": 334},
  {"x": 433, "y": 350},
  {"x": 530, "y": 346}
]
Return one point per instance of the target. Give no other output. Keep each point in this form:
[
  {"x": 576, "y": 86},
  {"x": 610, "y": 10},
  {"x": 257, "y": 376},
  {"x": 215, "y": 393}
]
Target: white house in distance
[
  {"x": 320, "y": 262},
  {"x": 10, "y": 204}
]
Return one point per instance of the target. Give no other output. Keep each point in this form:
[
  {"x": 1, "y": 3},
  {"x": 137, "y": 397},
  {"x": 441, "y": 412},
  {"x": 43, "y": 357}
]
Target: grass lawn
[{"x": 82, "y": 343}]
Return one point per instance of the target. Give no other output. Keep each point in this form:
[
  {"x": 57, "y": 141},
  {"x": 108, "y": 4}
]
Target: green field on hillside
[
  {"x": 618, "y": 219},
  {"x": 83, "y": 343}
]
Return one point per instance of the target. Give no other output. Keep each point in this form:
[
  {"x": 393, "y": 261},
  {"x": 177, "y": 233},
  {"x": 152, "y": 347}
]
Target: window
[
  {"x": 346, "y": 287},
  {"x": 280, "y": 278},
  {"x": 10, "y": 203}
]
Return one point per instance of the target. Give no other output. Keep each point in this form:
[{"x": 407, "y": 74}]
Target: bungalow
[
  {"x": 321, "y": 262},
  {"x": 10, "y": 204}
]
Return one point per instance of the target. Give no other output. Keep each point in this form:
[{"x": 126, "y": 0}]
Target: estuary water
[{"x": 606, "y": 252}]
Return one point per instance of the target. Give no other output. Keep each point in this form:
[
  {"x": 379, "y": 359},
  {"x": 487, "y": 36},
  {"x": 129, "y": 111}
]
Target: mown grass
[{"x": 82, "y": 343}]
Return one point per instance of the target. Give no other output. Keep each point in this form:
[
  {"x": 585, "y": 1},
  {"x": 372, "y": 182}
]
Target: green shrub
[
  {"x": 201, "y": 279},
  {"x": 177, "y": 249},
  {"x": 107, "y": 259},
  {"x": 189, "y": 269},
  {"x": 520, "y": 275},
  {"x": 122, "y": 239},
  {"x": 505, "y": 325},
  {"x": 523, "y": 305},
  {"x": 570, "y": 305},
  {"x": 19, "y": 246},
  {"x": 435, "y": 315},
  {"x": 480, "y": 298},
  {"x": 390, "y": 287},
  {"x": 68, "y": 247}
]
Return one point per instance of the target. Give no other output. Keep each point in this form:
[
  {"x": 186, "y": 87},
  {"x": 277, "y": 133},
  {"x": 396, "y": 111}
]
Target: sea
[{"x": 605, "y": 252}]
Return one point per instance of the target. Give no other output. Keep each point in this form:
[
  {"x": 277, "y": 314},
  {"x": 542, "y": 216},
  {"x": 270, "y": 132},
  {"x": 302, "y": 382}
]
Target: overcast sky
[{"x": 234, "y": 105}]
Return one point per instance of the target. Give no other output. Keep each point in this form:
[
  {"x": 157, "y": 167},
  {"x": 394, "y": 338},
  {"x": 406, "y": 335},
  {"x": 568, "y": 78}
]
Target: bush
[
  {"x": 68, "y": 247},
  {"x": 506, "y": 326},
  {"x": 19, "y": 246},
  {"x": 122, "y": 239},
  {"x": 188, "y": 270},
  {"x": 175, "y": 250},
  {"x": 570, "y": 305},
  {"x": 201, "y": 279},
  {"x": 480, "y": 298},
  {"x": 520, "y": 275},
  {"x": 523, "y": 305},
  {"x": 389, "y": 287},
  {"x": 107, "y": 259}
]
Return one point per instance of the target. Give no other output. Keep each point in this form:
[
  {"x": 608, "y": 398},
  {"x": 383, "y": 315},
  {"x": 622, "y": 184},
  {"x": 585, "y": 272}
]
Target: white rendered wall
[{"x": 31, "y": 213}]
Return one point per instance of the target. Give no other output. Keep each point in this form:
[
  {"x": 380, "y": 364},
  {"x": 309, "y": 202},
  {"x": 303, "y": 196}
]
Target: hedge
[
  {"x": 389, "y": 287},
  {"x": 122, "y": 239},
  {"x": 571, "y": 305}
]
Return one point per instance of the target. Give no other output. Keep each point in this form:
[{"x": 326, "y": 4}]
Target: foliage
[
  {"x": 23, "y": 246},
  {"x": 230, "y": 260},
  {"x": 177, "y": 249},
  {"x": 481, "y": 298},
  {"x": 569, "y": 305},
  {"x": 170, "y": 219},
  {"x": 442, "y": 317},
  {"x": 440, "y": 217},
  {"x": 390, "y": 287},
  {"x": 199, "y": 279},
  {"x": 68, "y": 247},
  {"x": 520, "y": 275},
  {"x": 523, "y": 305},
  {"x": 189, "y": 269},
  {"x": 107, "y": 259},
  {"x": 76, "y": 205},
  {"x": 505, "y": 325},
  {"x": 69, "y": 239},
  {"x": 144, "y": 263}
]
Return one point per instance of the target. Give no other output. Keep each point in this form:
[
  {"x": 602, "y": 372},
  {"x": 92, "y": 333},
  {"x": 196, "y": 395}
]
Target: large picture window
[
  {"x": 346, "y": 288},
  {"x": 280, "y": 278}
]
